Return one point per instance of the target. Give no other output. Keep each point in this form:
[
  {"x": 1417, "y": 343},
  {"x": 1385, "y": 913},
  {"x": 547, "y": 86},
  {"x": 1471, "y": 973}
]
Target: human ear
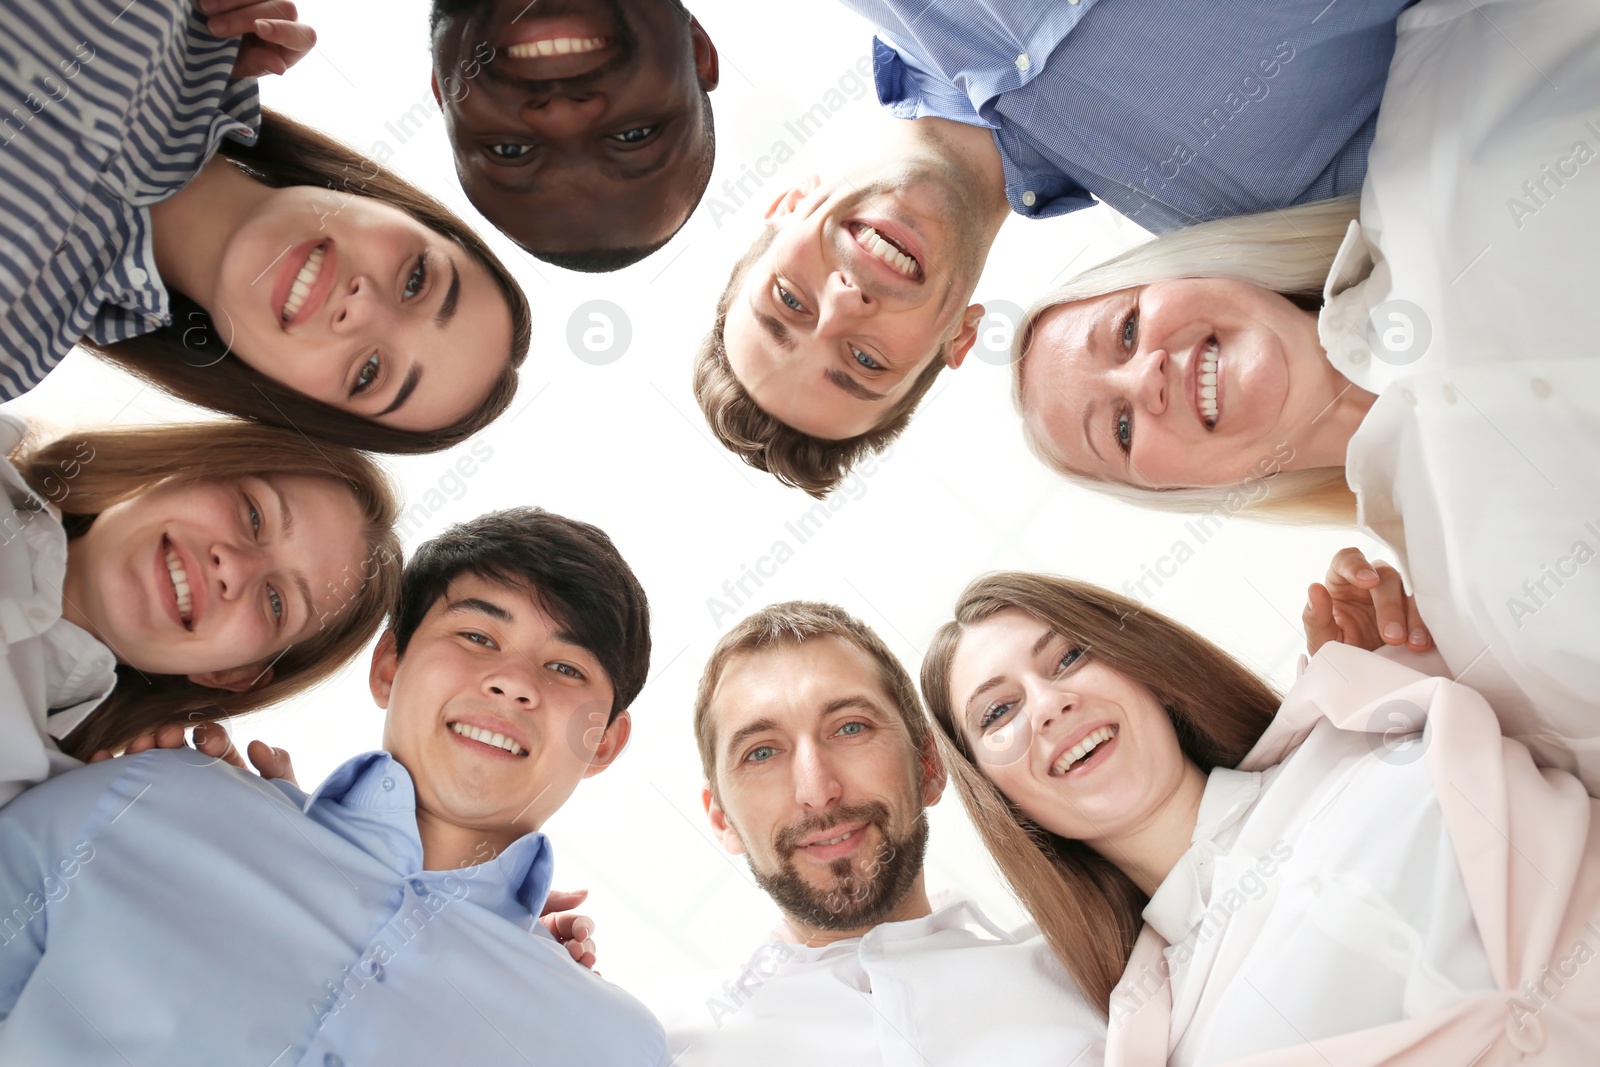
[
  {"x": 719, "y": 821},
  {"x": 790, "y": 198},
  {"x": 385, "y": 662},
  {"x": 964, "y": 337},
  {"x": 236, "y": 679},
  {"x": 932, "y": 771},
  {"x": 705, "y": 55},
  {"x": 612, "y": 742}
]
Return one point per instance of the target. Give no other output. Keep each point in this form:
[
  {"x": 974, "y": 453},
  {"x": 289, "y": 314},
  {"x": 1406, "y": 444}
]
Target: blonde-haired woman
[
  {"x": 1367, "y": 873},
  {"x": 1447, "y": 393},
  {"x": 177, "y": 575}
]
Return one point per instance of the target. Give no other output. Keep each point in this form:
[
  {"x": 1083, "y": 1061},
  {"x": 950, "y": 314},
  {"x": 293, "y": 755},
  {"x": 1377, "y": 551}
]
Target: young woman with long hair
[
  {"x": 1363, "y": 872},
  {"x": 177, "y": 575},
  {"x": 1419, "y": 363},
  {"x": 153, "y": 212}
]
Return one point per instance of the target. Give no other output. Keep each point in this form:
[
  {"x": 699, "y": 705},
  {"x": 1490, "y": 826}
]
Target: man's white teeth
[
  {"x": 557, "y": 46},
  {"x": 300, "y": 288},
  {"x": 878, "y": 245},
  {"x": 1208, "y": 385},
  {"x": 832, "y": 841},
  {"x": 1082, "y": 749},
  {"x": 488, "y": 737},
  {"x": 180, "y": 586}
]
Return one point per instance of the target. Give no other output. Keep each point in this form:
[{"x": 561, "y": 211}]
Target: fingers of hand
[
  {"x": 1388, "y": 601},
  {"x": 1350, "y": 565},
  {"x": 1318, "y": 619},
  {"x": 563, "y": 900},
  {"x": 1417, "y": 632},
  {"x": 234, "y": 18}
]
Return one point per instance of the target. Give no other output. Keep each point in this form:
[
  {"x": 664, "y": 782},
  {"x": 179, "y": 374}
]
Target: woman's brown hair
[
  {"x": 189, "y": 358},
  {"x": 1087, "y": 909},
  {"x": 86, "y": 472}
]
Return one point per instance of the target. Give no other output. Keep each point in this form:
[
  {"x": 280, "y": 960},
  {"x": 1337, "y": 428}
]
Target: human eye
[
  {"x": 509, "y": 150},
  {"x": 994, "y": 713},
  {"x": 417, "y": 279},
  {"x": 760, "y": 754},
  {"x": 253, "y": 514},
  {"x": 865, "y": 360},
  {"x": 852, "y": 729},
  {"x": 367, "y": 375},
  {"x": 789, "y": 300},
  {"x": 1128, "y": 330},
  {"x": 1122, "y": 430},
  {"x": 568, "y": 670},
  {"x": 1069, "y": 657},
  {"x": 275, "y": 603},
  {"x": 476, "y": 638},
  {"x": 636, "y": 135}
]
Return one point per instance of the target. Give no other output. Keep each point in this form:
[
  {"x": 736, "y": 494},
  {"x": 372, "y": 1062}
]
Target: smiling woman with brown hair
[{"x": 229, "y": 255}]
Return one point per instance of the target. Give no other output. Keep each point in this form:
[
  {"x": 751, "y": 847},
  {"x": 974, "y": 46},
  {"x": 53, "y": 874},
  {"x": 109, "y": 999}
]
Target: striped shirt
[
  {"x": 106, "y": 107},
  {"x": 1171, "y": 113}
]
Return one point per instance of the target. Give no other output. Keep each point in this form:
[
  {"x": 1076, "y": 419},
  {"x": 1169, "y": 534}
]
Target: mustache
[{"x": 870, "y": 812}]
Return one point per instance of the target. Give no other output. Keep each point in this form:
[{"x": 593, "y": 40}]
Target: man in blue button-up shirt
[
  {"x": 836, "y": 323},
  {"x": 398, "y": 904}
]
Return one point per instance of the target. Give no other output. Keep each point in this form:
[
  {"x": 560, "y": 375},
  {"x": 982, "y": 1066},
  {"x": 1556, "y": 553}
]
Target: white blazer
[
  {"x": 52, "y": 673},
  {"x": 1466, "y": 298}
]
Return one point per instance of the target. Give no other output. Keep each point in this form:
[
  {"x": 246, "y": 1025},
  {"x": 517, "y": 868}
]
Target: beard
[{"x": 854, "y": 898}]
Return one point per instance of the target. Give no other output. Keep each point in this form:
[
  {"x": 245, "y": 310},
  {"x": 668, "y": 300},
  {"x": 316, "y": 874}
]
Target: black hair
[{"x": 570, "y": 568}]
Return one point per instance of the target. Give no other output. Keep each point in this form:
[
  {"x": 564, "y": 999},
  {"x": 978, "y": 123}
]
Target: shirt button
[
  {"x": 1028, "y": 198},
  {"x": 1541, "y": 388},
  {"x": 330, "y": 1059},
  {"x": 1449, "y": 395},
  {"x": 1358, "y": 357},
  {"x": 137, "y": 276},
  {"x": 1409, "y": 397},
  {"x": 377, "y": 972},
  {"x": 418, "y": 888},
  {"x": 388, "y": 783},
  {"x": 1023, "y": 62}
]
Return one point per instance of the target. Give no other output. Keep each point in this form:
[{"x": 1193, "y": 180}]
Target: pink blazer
[{"x": 1540, "y": 923}]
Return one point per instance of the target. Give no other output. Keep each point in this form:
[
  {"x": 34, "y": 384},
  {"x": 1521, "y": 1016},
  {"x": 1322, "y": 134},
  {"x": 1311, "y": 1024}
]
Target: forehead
[
  {"x": 793, "y": 685},
  {"x": 999, "y": 644},
  {"x": 518, "y": 600}
]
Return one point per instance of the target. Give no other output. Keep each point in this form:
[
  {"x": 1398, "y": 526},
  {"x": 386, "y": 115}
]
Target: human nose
[
  {"x": 510, "y": 679},
  {"x": 359, "y": 308},
  {"x": 1047, "y": 704},
  {"x": 815, "y": 785},
  {"x": 1147, "y": 383},
  {"x": 563, "y": 116},
  {"x": 843, "y": 301},
  {"x": 238, "y": 568}
]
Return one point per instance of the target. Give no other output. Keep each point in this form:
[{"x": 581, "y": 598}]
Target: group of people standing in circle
[{"x": 1363, "y": 304}]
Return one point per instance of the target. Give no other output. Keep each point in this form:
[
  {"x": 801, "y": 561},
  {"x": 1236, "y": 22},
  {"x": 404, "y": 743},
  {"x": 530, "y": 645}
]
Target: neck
[
  {"x": 74, "y": 596},
  {"x": 914, "y": 906},
  {"x": 1326, "y": 439},
  {"x": 1148, "y": 852},
  {"x": 969, "y": 152},
  {"x": 191, "y": 228},
  {"x": 449, "y": 847}
]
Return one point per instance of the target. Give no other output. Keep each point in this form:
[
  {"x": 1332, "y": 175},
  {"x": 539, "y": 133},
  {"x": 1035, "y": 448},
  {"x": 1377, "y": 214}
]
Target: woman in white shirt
[
  {"x": 1367, "y": 874},
  {"x": 1450, "y": 380},
  {"x": 152, "y": 211},
  {"x": 176, "y": 575}
]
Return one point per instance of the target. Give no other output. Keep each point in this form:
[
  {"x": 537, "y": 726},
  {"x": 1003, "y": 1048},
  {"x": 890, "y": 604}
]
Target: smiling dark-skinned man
[{"x": 582, "y": 129}]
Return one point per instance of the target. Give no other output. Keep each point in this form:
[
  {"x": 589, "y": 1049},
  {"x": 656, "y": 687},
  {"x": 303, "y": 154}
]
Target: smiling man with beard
[
  {"x": 819, "y": 766},
  {"x": 582, "y": 128}
]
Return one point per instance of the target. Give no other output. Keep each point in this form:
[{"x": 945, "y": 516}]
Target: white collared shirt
[
  {"x": 52, "y": 673},
  {"x": 1320, "y": 896},
  {"x": 1479, "y": 463},
  {"x": 950, "y": 989}
]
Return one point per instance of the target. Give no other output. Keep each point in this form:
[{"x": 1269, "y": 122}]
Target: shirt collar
[
  {"x": 958, "y": 914},
  {"x": 372, "y": 801},
  {"x": 1358, "y": 283},
  {"x": 1180, "y": 901}
]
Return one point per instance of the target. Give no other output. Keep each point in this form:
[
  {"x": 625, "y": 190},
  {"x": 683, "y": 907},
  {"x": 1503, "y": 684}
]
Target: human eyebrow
[
  {"x": 407, "y": 387},
  {"x": 1038, "y": 646},
  {"x": 447, "y": 306},
  {"x": 1088, "y": 433},
  {"x": 842, "y": 703},
  {"x": 285, "y": 516},
  {"x": 850, "y": 385},
  {"x": 747, "y": 731},
  {"x": 479, "y": 606},
  {"x": 775, "y": 329}
]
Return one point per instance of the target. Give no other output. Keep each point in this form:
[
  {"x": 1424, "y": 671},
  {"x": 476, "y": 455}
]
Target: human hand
[
  {"x": 273, "y": 37},
  {"x": 574, "y": 931},
  {"x": 1362, "y": 604},
  {"x": 212, "y": 739}
]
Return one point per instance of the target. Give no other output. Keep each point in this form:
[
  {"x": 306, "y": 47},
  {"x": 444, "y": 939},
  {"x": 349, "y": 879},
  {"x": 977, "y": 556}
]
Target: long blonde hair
[
  {"x": 1289, "y": 252},
  {"x": 1086, "y": 908},
  {"x": 83, "y": 473}
]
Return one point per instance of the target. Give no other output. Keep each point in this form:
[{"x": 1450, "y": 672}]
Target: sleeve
[{"x": 43, "y": 846}]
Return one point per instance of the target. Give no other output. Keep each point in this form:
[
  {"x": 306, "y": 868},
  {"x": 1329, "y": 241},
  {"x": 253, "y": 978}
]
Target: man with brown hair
[{"x": 819, "y": 766}]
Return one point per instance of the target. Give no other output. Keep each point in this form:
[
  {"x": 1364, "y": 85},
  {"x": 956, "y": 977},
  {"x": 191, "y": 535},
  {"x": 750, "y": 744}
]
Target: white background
[{"x": 623, "y": 445}]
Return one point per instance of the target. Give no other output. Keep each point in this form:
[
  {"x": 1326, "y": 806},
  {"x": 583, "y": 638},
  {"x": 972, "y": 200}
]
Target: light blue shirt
[
  {"x": 168, "y": 909},
  {"x": 1172, "y": 113}
]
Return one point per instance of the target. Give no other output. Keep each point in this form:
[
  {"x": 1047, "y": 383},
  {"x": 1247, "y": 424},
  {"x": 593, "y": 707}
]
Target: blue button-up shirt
[
  {"x": 1171, "y": 113},
  {"x": 166, "y": 908}
]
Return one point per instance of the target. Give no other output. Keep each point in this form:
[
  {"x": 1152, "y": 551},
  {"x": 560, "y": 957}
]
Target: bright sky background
[{"x": 623, "y": 445}]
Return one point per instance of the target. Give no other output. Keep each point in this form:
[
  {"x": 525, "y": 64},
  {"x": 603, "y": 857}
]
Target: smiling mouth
[
  {"x": 1209, "y": 408},
  {"x": 1082, "y": 750},
  {"x": 556, "y": 46},
  {"x": 300, "y": 288},
  {"x": 488, "y": 737},
  {"x": 180, "y": 586},
  {"x": 886, "y": 249}
]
